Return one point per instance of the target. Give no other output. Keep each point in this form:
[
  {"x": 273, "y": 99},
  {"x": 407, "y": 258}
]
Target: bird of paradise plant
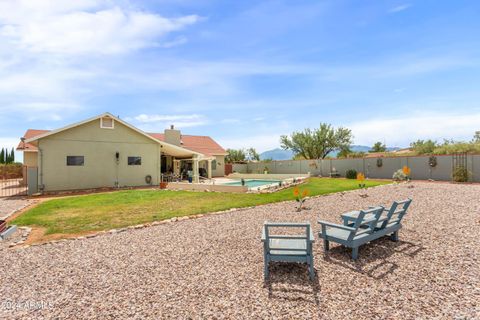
[
  {"x": 300, "y": 197},
  {"x": 406, "y": 171},
  {"x": 361, "y": 180}
]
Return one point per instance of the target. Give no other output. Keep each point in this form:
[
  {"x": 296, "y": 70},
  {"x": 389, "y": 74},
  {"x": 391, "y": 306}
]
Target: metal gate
[
  {"x": 228, "y": 168},
  {"x": 460, "y": 167},
  {"x": 13, "y": 180}
]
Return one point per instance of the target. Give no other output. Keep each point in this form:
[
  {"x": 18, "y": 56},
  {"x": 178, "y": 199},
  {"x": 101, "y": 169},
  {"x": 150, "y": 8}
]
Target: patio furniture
[
  {"x": 288, "y": 247},
  {"x": 360, "y": 231},
  {"x": 334, "y": 173},
  {"x": 392, "y": 216}
]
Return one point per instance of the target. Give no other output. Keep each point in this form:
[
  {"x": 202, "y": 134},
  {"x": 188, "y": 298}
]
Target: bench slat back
[{"x": 397, "y": 212}]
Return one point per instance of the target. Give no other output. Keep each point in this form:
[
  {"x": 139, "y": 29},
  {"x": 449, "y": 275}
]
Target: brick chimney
[{"x": 173, "y": 136}]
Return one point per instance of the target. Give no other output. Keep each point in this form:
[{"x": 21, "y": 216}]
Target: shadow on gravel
[
  {"x": 374, "y": 257},
  {"x": 290, "y": 281}
]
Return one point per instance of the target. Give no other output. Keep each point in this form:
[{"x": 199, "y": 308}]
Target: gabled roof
[
  {"x": 24, "y": 146},
  {"x": 202, "y": 144},
  {"x": 46, "y": 133}
]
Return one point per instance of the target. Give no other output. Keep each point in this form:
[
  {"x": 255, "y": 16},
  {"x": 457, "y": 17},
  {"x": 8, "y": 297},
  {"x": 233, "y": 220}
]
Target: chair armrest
[
  {"x": 334, "y": 225},
  {"x": 312, "y": 238},
  {"x": 264, "y": 237}
]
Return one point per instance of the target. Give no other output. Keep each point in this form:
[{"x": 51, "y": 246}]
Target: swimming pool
[{"x": 251, "y": 183}]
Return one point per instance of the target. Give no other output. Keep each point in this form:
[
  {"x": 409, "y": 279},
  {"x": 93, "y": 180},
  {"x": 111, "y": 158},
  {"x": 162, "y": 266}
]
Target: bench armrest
[
  {"x": 264, "y": 236},
  {"x": 334, "y": 225}
]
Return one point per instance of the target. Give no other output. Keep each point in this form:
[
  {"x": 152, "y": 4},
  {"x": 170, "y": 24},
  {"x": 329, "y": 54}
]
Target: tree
[
  {"x": 2, "y": 156},
  {"x": 252, "y": 154},
  {"x": 424, "y": 146},
  {"x": 344, "y": 152},
  {"x": 12, "y": 156},
  {"x": 317, "y": 143},
  {"x": 476, "y": 137},
  {"x": 378, "y": 147},
  {"x": 235, "y": 155}
]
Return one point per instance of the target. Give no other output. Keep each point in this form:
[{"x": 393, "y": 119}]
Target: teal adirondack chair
[
  {"x": 363, "y": 226},
  {"x": 286, "y": 247},
  {"x": 359, "y": 232},
  {"x": 392, "y": 223}
]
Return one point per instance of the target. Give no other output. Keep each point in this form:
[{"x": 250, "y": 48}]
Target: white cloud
[
  {"x": 86, "y": 27},
  {"x": 399, "y": 8},
  {"x": 230, "y": 121},
  {"x": 400, "y": 131},
  {"x": 145, "y": 118},
  {"x": 175, "y": 42},
  {"x": 156, "y": 122},
  {"x": 260, "y": 142}
]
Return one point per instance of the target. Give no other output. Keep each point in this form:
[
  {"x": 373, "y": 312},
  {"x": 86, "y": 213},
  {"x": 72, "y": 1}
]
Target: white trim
[
  {"x": 107, "y": 114},
  {"x": 104, "y": 127}
]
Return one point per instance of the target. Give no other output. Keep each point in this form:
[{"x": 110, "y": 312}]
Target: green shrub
[
  {"x": 399, "y": 175},
  {"x": 460, "y": 174},
  {"x": 351, "y": 174}
]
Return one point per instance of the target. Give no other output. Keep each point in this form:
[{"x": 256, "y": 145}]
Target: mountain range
[{"x": 280, "y": 154}]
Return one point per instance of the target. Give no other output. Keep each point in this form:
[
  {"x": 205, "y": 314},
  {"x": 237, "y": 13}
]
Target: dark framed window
[
  {"x": 75, "y": 160},
  {"x": 134, "y": 161}
]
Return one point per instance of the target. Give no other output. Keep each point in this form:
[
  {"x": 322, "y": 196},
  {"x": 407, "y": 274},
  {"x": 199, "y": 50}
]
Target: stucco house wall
[
  {"x": 98, "y": 146},
  {"x": 30, "y": 159},
  {"x": 219, "y": 171}
]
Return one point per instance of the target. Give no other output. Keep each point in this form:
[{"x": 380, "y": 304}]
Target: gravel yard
[
  {"x": 9, "y": 205},
  {"x": 212, "y": 267}
]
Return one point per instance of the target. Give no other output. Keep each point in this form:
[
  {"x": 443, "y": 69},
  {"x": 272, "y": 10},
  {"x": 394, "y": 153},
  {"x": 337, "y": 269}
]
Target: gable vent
[{"x": 106, "y": 123}]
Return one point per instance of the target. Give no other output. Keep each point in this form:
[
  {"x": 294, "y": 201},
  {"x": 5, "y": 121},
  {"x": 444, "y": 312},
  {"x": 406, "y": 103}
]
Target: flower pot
[{"x": 163, "y": 185}]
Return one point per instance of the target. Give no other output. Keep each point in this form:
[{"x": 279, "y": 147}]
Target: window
[
  {"x": 134, "y": 161},
  {"x": 75, "y": 160},
  {"x": 106, "y": 123},
  {"x": 214, "y": 164}
]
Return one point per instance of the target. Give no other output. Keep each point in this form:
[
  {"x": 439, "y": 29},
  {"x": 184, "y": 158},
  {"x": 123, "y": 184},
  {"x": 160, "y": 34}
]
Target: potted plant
[{"x": 163, "y": 185}]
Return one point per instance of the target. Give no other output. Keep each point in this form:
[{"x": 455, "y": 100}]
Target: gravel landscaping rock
[
  {"x": 8, "y": 206},
  {"x": 212, "y": 267}
]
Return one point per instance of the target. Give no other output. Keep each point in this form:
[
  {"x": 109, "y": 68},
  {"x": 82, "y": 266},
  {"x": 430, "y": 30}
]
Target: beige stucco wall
[
  {"x": 220, "y": 170},
  {"x": 30, "y": 159},
  {"x": 98, "y": 146}
]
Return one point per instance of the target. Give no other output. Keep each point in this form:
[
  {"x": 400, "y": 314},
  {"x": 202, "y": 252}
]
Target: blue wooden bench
[
  {"x": 360, "y": 227},
  {"x": 288, "y": 247}
]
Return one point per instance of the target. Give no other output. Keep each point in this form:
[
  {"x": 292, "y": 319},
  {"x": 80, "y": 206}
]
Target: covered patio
[{"x": 178, "y": 163}]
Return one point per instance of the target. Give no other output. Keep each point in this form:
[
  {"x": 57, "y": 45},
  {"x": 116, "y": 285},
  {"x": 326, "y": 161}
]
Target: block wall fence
[{"x": 419, "y": 165}]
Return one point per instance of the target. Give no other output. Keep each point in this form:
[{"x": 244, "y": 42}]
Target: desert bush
[
  {"x": 351, "y": 174},
  {"x": 11, "y": 171},
  {"x": 451, "y": 147},
  {"x": 399, "y": 175},
  {"x": 460, "y": 174}
]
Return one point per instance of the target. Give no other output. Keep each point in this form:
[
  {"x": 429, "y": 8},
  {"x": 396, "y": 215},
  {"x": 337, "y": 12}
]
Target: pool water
[{"x": 252, "y": 183}]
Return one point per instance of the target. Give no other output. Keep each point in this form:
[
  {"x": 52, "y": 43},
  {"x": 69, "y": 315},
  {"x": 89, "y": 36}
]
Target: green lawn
[{"x": 95, "y": 212}]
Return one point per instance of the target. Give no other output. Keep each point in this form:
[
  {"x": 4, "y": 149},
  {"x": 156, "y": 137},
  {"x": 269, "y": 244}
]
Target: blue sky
[{"x": 244, "y": 72}]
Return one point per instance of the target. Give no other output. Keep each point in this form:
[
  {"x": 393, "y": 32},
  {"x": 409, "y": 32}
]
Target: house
[{"x": 105, "y": 151}]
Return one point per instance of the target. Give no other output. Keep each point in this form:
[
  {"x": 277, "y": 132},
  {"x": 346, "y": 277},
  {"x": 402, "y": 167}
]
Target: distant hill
[
  {"x": 277, "y": 154},
  {"x": 280, "y": 154}
]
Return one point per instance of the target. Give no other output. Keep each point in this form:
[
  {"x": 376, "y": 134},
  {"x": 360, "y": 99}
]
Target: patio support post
[
  {"x": 196, "y": 178},
  {"x": 209, "y": 171}
]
